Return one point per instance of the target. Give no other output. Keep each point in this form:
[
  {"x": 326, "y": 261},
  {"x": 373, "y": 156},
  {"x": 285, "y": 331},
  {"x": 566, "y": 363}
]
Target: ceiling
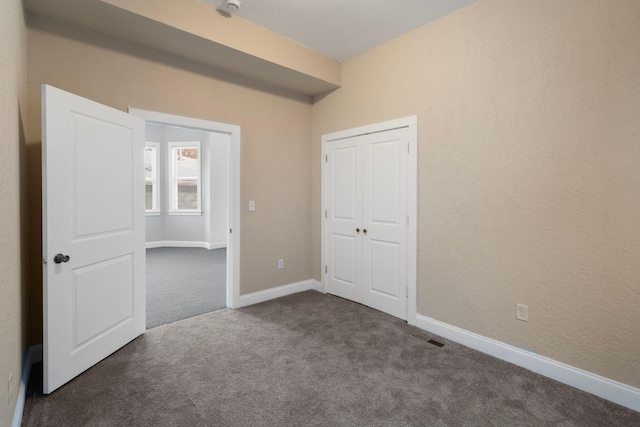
[{"x": 342, "y": 29}]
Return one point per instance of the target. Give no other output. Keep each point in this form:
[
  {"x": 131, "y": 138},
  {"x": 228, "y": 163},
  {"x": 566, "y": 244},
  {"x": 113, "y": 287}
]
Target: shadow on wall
[
  {"x": 33, "y": 245},
  {"x": 25, "y": 227}
]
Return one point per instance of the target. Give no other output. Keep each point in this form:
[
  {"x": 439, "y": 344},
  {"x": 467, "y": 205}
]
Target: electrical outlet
[
  {"x": 252, "y": 205},
  {"x": 280, "y": 264},
  {"x": 10, "y": 389},
  {"x": 522, "y": 312}
]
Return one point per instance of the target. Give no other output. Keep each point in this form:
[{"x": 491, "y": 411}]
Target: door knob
[
  {"x": 357, "y": 230},
  {"x": 364, "y": 231},
  {"x": 59, "y": 258}
]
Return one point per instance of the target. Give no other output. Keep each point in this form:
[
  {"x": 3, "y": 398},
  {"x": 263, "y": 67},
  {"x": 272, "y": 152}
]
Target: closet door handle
[
  {"x": 357, "y": 230},
  {"x": 364, "y": 231}
]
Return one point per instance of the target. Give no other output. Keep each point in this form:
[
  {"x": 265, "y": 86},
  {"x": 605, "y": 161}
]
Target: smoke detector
[{"x": 233, "y": 6}]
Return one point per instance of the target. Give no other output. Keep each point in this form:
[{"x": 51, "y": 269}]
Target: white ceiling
[{"x": 342, "y": 29}]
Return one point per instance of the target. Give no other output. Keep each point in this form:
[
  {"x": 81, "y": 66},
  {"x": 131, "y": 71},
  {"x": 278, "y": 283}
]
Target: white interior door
[
  {"x": 366, "y": 238},
  {"x": 93, "y": 233},
  {"x": 344, "y": 218},
  {"x": 384, "y": 222}
]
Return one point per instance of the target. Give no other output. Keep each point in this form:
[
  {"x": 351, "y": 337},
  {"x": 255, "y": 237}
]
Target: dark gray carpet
[
  {"x": 184, "y": 282},
  {"x": 311, "y": 360}
]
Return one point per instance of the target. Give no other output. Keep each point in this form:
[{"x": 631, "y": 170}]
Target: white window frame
[
  {"x": 155, "y": 181},
  {"x": 173, "y": 179}
]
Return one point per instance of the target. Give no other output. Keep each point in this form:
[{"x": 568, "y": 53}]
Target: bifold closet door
[{"x": 366, "y": 239}]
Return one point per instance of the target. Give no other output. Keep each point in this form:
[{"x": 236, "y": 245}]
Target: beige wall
[
  {"x": 12, "y": 201},
  {"x": 275, "y": 125},
  {"x": 529, "y": 160}
]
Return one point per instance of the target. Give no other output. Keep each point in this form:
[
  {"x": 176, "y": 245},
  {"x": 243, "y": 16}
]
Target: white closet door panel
[
  {"x": 384, "y": 267},
  {"x": 384, "y": 198},
  {"x": 344, "y": 215}
]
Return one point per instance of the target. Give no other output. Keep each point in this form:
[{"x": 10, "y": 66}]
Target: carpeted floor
[
  {"x": 311, "y": 360},
  {"x": 184, "y": 282}
]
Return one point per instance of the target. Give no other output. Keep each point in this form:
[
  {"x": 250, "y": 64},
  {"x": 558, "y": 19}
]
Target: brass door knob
[
  {"x": 357, "y": 230},
  {"x": 364, "y": 231}
]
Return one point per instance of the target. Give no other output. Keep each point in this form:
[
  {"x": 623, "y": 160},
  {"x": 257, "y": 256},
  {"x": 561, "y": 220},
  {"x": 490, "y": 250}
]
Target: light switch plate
[{"x": 252, "y": 205}]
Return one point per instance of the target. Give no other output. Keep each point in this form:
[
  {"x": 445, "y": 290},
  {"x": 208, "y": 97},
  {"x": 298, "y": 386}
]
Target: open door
[{"x": 93, "y": 233}]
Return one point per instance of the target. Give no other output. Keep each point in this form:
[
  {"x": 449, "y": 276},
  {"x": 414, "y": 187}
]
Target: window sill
[
  {"x": 153, "y": 213},
  {"x": 192, "y": 213}
]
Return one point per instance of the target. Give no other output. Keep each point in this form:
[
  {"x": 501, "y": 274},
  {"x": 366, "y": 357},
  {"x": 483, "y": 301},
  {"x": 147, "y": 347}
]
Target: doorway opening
[{"x": 192, "y": 216}]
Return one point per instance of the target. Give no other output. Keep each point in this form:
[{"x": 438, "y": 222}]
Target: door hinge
[
  {"x": 325, "y": 269},
  {"x": 230, "y": 231},
  {"x": 326, "y": 158},
  {"x": 407, "y": 292},
  {"x": 407, "y": 219},
  {"x": 325, "y": 213},
  {"x": 408, "y": 147}
]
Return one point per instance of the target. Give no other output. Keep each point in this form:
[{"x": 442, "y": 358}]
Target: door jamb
[
  {"x": 410, "y": 122},
  {"x": 233, "y": 241}
]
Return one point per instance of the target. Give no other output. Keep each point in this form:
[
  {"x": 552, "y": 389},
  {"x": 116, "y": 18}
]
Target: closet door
[
  {"x": 344, "y": 218},
  {"x": 384, "y": 221},
  {"x": 366, "y": 239}
]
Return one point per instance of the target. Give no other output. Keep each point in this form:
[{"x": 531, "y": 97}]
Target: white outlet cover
[
  {"x": 280, "y": 264},
  {"x": 252, "y": 205},
  {"x": 522, "y": 312}
]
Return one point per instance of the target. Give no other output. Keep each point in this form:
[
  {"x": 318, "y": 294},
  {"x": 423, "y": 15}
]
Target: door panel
[
  {"x": 384, "y": 268},
  {"x": 344, "y": 213},
  {"x": 103, "y": 295},
  {"x": 101, "y": 205},
  {"x": 344, "y": 259},
  {"x": 384, "y": 180},
  {"x": 385, "y": 164},
  {"x": 344, "y": 180},
  {"x": 93, "y": 211}
]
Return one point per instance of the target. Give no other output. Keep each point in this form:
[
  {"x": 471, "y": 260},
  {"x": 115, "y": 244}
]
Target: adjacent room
[
  {"x": 186, "y": 206},
  {"x": 423, "y": 214}
]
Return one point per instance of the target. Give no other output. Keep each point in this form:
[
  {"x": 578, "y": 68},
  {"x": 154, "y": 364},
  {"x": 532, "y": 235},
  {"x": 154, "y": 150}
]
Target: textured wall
[
  {"x": 12, "y": 200},
  {"x": 529, "y": 160},
  {"x": 276, "y": 132}
]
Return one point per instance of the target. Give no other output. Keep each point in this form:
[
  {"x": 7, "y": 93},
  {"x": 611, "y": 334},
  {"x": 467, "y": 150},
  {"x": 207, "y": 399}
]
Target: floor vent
[{"x": 427, "y": 339}]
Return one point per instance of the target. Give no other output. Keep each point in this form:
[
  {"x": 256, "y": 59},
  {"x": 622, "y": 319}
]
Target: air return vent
[{"x": 427, "y": 339}]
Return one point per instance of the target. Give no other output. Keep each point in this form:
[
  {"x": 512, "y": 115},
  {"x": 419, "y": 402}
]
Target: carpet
[
  {"x": 311, "y": 359},
  {"x": 184, "y": 282}
]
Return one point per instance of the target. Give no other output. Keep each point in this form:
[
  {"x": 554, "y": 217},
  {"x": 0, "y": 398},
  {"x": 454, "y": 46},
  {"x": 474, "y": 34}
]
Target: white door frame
[
  {"x": 411, "y": 123},
  {"x": 233, "y": 241}
]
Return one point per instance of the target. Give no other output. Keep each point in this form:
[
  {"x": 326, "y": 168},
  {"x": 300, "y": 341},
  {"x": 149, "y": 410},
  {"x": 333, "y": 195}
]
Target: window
[
  {"x": 151, "y": 181},
  {"x": 184, "y": 177}
]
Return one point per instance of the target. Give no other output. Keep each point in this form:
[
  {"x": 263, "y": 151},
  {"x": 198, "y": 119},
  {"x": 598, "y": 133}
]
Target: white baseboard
[
  {"x": 605, "y": 388},
  {"x": 185, "y": 244},
  {"x": 216, "y": 245},
  {"x": 269, "y": 294},
  {"x": 34, "y": 355},
  {"x": 318, "y": 286}
]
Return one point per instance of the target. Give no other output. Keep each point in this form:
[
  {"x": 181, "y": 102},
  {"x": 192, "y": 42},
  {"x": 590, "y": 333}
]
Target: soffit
[
  {"x": 263, "y": 56},
  {"x": 342, "y": 29}
]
